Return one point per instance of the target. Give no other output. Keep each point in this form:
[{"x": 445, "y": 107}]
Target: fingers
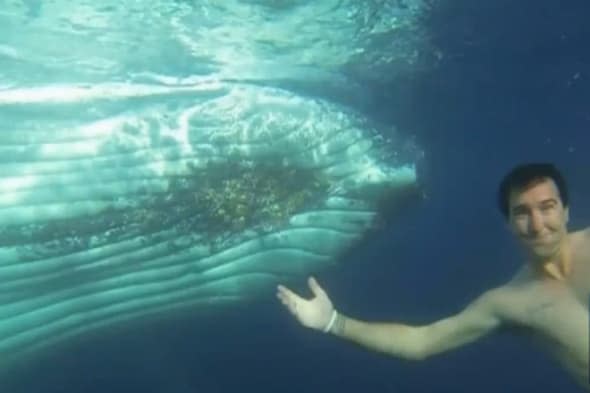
[
  {"x": 315, "y": 287},
  {"x": 288, "y": 298},
  {"x": 284, "y": 292}
]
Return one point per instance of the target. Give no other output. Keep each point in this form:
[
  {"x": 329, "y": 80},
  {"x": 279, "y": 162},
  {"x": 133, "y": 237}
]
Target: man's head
[{"x": 534, "y": 200}]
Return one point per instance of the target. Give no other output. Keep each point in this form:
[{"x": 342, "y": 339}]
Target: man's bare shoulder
[
  {"x": 502, "y": 295},
  {"x": 580, "y": 241},
  {"x": 580, "y": 237},
  {"x": 497, "y": 301},
  {"x": 582, "y": 233},
  {"x": 509, "y": 300}
]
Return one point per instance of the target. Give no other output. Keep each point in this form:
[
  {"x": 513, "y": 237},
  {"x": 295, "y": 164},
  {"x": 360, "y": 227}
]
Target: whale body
[{"x": 126, "y": 201}]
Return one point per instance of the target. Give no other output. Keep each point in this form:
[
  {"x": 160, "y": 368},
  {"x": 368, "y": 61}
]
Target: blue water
[{"x": 512, "y": 85}]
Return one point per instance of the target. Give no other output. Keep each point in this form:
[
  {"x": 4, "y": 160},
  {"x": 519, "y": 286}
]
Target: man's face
[{"x": 538, "y": 219}]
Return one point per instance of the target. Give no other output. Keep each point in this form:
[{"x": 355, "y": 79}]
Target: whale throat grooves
[{"x": 202, "y": 195}]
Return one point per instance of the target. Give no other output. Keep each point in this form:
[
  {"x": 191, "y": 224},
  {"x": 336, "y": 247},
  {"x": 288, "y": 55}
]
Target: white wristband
[{"x": 331, "y": 323}]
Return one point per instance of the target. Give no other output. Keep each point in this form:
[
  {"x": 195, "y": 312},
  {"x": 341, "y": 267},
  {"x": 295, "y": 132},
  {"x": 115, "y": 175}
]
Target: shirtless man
[{"x": 548, "y": 297}]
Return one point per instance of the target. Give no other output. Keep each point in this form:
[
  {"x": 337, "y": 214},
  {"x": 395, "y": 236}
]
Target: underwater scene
[{"x": 165, "y": 166}]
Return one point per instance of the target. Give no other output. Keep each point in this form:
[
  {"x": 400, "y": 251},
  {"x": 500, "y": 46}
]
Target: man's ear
[{"x": 567, "y": 214}]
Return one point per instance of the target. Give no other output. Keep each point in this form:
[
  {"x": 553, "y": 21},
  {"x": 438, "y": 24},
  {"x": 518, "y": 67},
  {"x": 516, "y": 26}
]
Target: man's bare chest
[{"x": 553, "y": 313}]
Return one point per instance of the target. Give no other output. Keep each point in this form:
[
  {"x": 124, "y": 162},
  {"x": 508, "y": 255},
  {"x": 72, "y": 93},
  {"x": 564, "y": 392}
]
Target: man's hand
[{"x": 314, "y": 313}]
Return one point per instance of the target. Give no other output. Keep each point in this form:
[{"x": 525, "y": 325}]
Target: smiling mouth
[{"x": 541, "y": 240}]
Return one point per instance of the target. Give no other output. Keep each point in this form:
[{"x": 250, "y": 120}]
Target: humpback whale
[{"x": 122, "y": 201}]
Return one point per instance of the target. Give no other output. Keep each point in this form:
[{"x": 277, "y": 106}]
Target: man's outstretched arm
[
  {"x": 396, "y": 339},
  {"x": 419, "y": 342}
]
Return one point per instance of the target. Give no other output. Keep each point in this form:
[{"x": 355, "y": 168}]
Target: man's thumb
[{"x": 315, "y": 287}]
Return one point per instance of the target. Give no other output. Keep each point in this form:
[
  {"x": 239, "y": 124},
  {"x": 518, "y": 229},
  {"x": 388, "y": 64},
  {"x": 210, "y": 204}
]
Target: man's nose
[{"x": 535, "y": 223}]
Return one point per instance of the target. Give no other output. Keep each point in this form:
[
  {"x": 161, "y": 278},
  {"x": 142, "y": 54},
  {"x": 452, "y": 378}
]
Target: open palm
[{"x": 314, "y": 313}]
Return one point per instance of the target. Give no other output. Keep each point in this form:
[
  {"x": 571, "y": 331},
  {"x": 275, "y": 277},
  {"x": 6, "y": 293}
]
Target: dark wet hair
[{"x": 526, "y": 175}]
